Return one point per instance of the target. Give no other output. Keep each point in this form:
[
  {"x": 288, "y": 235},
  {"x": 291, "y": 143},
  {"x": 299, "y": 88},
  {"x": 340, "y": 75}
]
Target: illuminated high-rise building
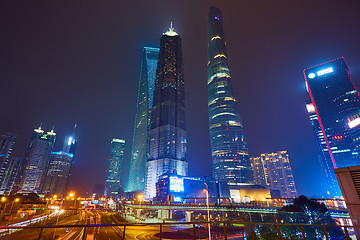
[
  {"x": 58, "y": 174},
  {"x": 259, "y": 168},
  {"x": 12, "y": 172},
  {"x": 336, "y": 103},
  {"x": 273, "y": 170},
  {"x": 113, "y": 180},
  {"x": 37, "y": 160},
  {"x": 7, "y": 141},
  {"x": 59, "y": 169},
  {"x": 139, "y": 155},
  {"x": 167, "y": 142},
  {"x": 324, "y": 159},
  {"x": 228, "y": 145}
]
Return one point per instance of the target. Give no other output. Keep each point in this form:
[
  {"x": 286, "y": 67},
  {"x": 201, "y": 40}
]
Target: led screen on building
[{"x": 176, "y": 184}]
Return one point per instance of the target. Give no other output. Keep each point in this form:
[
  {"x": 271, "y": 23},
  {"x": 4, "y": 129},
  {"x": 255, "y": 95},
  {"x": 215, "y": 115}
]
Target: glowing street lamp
[
  {"x": 207, "y": 206},
  {"x": 3, "y": 199},
  {"x": 16, "y": 200},
  {"x": 140, "y": 197}
]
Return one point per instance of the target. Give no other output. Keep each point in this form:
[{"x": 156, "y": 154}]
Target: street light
[
  {"x": 140, "y": 198},
  {"x": 72, "y": 195},
  {"x": 3, "y": 199},
  {"x": 16, "y": 200},
  {"x": 207, "y": 206}
]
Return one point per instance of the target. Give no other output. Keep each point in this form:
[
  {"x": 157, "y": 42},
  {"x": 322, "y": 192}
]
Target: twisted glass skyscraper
[
  {"x": 167, "y": 146},
  {"x": 228, "y": 145},
  {"x": 139, "y": 155}
]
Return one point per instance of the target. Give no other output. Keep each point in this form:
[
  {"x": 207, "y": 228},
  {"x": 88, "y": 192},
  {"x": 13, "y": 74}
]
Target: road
[
  {"x": 89, "y": 217},
  {"x": 111, "y": 232},
  {"x": 30, "y": 234}
]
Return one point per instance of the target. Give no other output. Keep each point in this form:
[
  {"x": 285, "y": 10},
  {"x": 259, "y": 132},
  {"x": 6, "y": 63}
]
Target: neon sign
[{"x": 325, "y": 71}]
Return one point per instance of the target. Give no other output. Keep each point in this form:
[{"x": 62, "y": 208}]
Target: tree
[{"x": 308, "y": 211}]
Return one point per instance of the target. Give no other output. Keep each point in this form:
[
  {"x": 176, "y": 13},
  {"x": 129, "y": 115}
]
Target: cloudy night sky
[{"x": 67, "y": 62}]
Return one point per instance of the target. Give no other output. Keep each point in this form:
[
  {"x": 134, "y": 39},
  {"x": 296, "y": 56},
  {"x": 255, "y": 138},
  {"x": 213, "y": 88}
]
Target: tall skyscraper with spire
[
  {"x": 37, "y": 160},
  {"x": 228, "y": 145},
  {"x": 167, "y": 143},
  {"x": 139, "y": 155}
]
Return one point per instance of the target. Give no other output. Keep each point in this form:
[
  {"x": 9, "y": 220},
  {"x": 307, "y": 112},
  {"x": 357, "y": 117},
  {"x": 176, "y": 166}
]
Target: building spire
[{"x": 171, "y": 31}]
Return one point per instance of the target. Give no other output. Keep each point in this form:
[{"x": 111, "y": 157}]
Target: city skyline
[{"x": 272, "y": 94}]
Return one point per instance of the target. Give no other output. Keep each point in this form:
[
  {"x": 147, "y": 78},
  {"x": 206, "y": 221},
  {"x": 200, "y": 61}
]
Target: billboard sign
[{"x": 176, "y": 184}]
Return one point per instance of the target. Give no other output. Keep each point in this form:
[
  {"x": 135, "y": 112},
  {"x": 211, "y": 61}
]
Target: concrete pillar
[
  {"x": 165, "y": 214},
  {"x": 188, "y": 216},
  {"x": 138, "y": 213}
]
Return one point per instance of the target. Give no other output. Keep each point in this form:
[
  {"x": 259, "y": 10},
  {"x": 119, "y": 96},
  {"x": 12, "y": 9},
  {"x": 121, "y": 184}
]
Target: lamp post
[
  {"x": 72, "y": 195},
  {"x": 3, "y": 199},
  {"x": 207, "y": 206},
  {"x": 16, "y": 200},
  {"x": 140, "y": 198}
]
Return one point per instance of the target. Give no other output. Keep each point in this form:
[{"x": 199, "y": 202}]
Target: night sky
[{"x": 66, "y": 62}]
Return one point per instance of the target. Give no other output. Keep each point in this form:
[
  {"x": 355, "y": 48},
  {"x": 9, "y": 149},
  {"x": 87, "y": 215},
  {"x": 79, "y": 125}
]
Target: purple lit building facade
[{"x": 336, "y": 103}]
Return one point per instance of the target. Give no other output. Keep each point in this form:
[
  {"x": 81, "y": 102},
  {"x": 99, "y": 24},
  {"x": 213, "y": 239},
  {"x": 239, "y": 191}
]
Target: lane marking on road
[{"x": 69, "y": 236}]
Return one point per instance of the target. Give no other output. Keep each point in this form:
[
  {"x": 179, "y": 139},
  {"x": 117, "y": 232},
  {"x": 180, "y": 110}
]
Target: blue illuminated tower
[
  {"x": 113, "y": 180},
  {"x": 336, "y": 103},
  {"x": 139, "y": 155},
  {"x": 324, "y": 159},
  {"x": 167, "y": 142},
  {"x": 228, "y": 145},
  {"x": 37, "y": 160}
]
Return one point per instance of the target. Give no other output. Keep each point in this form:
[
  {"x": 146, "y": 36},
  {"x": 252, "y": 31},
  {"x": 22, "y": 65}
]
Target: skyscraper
[
  {"x": 139, "y": 155},
  {"x": 258, "y": 165},
  {"x": 325, "y": 160},
  {"x": 274, "y": 170},
  {"x": 167, "y": 142},
  {"x": 12, "y": 172},
  {"x": 336, "y": 103},
  {"x": 57, "y": 174},
  {"x": 228, "y": 145},
  {"x": 58, "y": 171},
  {"x": 113, "y": 179},
  {"x": 37, "y": 160},
  {"x": 7, "y": 141}
]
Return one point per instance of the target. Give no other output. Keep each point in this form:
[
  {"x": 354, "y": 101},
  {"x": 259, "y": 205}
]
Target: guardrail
[{"x": 194, "y": 225}]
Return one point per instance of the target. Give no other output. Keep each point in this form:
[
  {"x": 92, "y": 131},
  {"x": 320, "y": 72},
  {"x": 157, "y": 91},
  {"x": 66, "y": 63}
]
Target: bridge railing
[{"x": 200, "y": 230}]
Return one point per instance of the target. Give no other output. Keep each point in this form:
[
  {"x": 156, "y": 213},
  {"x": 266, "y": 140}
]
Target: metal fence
[{"x": 200, "y": 230}]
